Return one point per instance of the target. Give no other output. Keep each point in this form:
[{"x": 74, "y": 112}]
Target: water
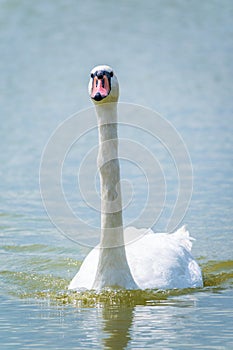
[{"x": 173, "y": 57}]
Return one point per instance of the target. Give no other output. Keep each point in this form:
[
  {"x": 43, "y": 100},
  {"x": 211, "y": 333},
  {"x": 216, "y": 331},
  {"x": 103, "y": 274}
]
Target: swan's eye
[
  {"x": 92, "y": 75},
  {"x": 111, "y": 74}
]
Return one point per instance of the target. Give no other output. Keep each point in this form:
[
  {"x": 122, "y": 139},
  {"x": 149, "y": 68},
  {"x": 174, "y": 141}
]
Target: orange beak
[{"x": 100, "y": 88}]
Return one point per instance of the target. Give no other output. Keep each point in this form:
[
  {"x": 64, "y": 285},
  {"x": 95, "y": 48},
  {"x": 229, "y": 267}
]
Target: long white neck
[
  {"x": 113, "y": 268},
  {"x": 109, "y": 170}
]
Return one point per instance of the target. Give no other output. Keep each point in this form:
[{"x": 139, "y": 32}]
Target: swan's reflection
[
  {"x": 117, "y": 324},
  {"x": 152, "y": 324}
]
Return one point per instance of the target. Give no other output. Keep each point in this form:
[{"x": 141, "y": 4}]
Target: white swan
[{"x": 161, "y": 261}]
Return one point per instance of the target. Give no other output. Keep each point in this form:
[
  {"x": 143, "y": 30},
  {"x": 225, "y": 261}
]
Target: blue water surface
[{"x": 174, "y": 57}]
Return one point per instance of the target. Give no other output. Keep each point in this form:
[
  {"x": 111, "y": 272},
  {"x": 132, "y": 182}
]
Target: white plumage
[
  {"x": 133, "y": 258},
  {"x": 156, "y": 260}
]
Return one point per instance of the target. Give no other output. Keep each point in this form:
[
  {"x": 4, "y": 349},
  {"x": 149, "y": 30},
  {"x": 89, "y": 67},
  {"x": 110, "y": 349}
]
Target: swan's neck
[
  {"x": 113, "y": 269},
  {"x": 109, "y": 170}
]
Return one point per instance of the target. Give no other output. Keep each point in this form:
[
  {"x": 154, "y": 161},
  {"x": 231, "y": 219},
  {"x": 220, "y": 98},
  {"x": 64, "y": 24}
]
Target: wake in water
[{"x": 45, "y": 284}]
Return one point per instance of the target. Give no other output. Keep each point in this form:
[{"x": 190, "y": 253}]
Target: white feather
[
  {"x": 135, "y": 258},
  {"x": 156, "y": 260}
]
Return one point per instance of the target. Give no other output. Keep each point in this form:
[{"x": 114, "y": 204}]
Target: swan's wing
[
  {"x": 163, "y": 261},
  {"x": 85, "y": 277},
  {"x": 156, "y": 260}
]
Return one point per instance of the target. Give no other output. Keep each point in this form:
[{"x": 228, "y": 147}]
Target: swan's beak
[{"x": 100, "y": 86}]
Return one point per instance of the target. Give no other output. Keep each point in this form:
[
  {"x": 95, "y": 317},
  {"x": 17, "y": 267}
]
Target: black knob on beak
[{"x": 100, "y": 75}]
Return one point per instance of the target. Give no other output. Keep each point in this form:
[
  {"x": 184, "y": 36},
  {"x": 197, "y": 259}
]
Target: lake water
[{"x": 174, "y": 57}]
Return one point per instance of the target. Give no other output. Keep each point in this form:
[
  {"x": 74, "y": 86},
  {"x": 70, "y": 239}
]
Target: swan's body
[
  {"x": 162, "y": 261},
  {"x": 156, "y": 260}
]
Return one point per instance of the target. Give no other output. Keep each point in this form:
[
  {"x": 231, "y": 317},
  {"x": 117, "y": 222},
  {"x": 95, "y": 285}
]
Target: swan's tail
[{"x": 183, "y": 237}]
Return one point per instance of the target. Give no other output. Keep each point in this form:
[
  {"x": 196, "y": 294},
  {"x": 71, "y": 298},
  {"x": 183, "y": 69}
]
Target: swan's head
[{"x": 103, "y": 85}]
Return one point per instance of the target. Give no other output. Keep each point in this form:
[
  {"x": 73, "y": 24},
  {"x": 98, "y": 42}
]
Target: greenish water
[{"x": 172, "y": 56}]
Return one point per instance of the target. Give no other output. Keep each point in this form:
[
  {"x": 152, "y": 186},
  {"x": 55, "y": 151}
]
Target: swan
[{"x": 154, "y": 260}]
